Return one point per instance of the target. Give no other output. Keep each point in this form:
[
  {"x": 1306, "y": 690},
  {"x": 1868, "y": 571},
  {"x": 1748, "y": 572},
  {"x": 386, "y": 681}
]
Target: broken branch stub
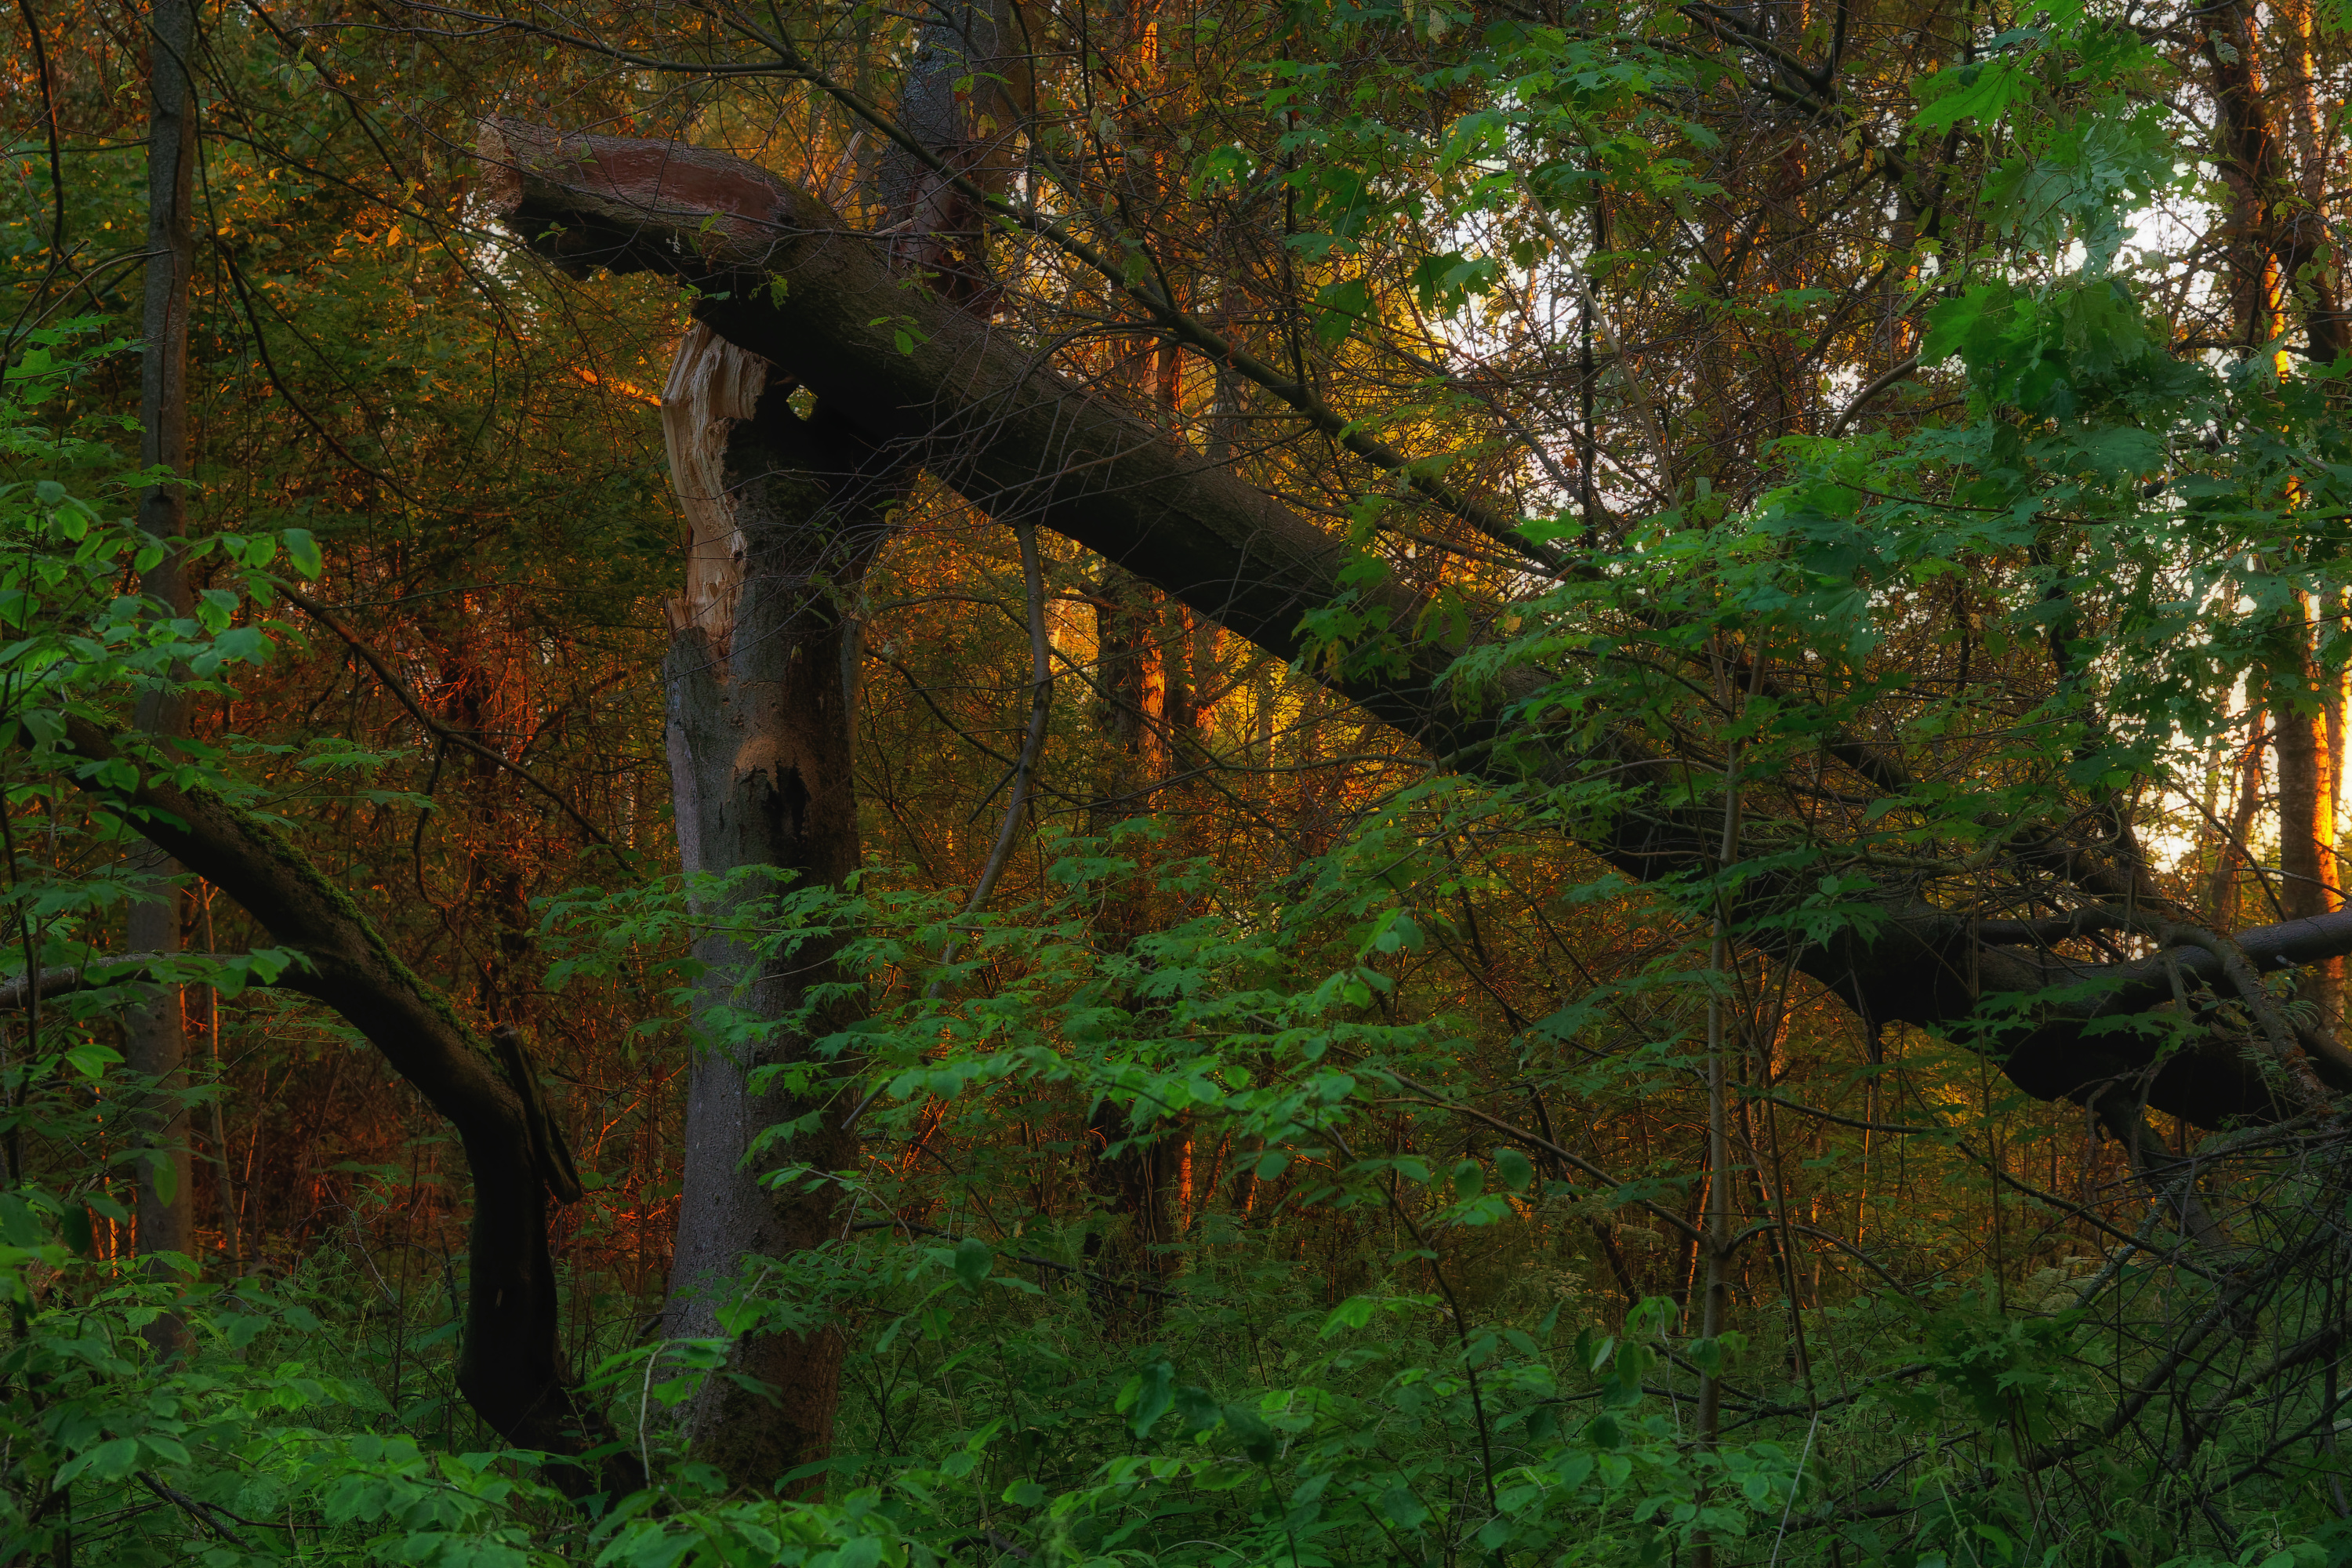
[{"x": 782, "y": 278}]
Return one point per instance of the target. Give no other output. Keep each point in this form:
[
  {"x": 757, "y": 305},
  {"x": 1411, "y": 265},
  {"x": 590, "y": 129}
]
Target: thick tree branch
[
  {"x": 783, "y": 277},
  {"x": 510, "y": 1368}
]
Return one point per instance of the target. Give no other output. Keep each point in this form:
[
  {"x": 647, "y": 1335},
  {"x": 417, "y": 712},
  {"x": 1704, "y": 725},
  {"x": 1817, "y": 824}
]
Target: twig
[
  {"x": 1436, "y": 1101},
  {"x": 1885, "y": 378},
  {"x": 199, "y": 1512},
  {"x": 1024, "y": 769},
  {"x": 457, "y": 738},
  {"x": 1025, "y": 766},
  {"x": 1029, "y": 1257}
]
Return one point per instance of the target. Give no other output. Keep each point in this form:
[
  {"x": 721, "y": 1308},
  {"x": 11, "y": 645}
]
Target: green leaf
[
  {"x": 1983, "y": 90},
  {"x": 1469, "y": 1179},
  {"x": 109, "y": 1461},
  {"x": 1515, "y": 1169},
  {"x": 1149, "y": 1395},
  {"x": 302, "y": 550},
  {"x": 1258, "y": 1440},
  {"x": 91, "y": 1059},
  {"x": 1339, "y": 309},
  {"x": 973, "y": 1261},
  {"x": 18, "y": 1226}
]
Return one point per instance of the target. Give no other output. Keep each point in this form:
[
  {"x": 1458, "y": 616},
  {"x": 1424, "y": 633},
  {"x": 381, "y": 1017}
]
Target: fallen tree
[{"x": 780, "y": 275}]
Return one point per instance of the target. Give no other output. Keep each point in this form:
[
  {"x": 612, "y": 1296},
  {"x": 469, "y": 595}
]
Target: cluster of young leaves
[{"x": 78, "y": 641}]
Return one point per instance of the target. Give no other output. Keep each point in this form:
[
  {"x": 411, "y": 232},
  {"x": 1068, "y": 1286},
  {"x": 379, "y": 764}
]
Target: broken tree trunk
[
  {"x": 760, "y": 694},
  {"x": 761, "y": 682},
  {"x": 990, "y": 418}
]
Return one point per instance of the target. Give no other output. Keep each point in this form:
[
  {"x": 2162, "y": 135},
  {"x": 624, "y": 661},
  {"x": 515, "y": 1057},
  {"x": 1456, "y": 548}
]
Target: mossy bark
[{"x": 510, "y": 1368}]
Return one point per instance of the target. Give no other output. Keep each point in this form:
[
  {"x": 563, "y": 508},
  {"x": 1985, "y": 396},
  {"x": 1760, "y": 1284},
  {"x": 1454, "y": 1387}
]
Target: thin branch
[
  {"x": 60, "y": 980},
  {"x": 448, "y": 736}
]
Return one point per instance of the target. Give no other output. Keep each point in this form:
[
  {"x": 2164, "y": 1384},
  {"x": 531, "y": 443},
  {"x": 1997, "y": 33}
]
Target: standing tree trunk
[
  {"x": 2281, "y": 256},
  {"x": 2306, "y": 793},
  {"x": 2221, "y": 891},
  {"x": 760, "y": 678},
  {"x": 154, "y": 1036},
  {"x": 1139, "y": 696}
]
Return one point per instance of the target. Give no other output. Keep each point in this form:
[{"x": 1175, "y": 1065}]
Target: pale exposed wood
[{"x": 712, "y": 386}]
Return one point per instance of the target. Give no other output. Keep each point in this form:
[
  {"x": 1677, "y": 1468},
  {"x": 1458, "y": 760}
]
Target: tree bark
[
  {"x": 2280, "y": 247},
  {"x": 760, "y": 690},
  {"x": 154, "y": 1036},
  {"x": 510, "y": 1368},
  {"x": 936, "y": 232},
  {"x": 2277, "y": 234},
  {"x": 760, "y": 680},
  {"x": 1017, "y": 439},
  {"x": 2306, "y": 800}
]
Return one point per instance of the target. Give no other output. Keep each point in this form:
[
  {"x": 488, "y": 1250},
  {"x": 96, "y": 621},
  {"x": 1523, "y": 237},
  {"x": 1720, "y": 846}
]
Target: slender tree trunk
[
  {"x": 1716, "y": 1300},
  {"x": 2221, "y": 895},
  {"x": 153, "y": 1031},
  {"x": 2276, "y": 229},
  {"x": 2307, "y": 874},
  {"x": 2278, "y": 245},
  {"x": 2334, "y": 684}
]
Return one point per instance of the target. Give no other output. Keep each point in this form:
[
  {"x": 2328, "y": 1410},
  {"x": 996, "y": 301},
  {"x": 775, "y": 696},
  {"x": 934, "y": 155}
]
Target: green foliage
[{"x": 2130, "y": 518}]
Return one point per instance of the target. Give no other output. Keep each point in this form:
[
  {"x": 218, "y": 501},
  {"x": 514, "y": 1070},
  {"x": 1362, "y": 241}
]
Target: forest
[{"x": 1212, "y": 782}]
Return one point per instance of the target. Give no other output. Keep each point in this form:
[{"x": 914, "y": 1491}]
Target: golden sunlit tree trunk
[
  {"x": 2281, "y": 259},
  {"x": 2231, "y": 856},
  {"x": 2308, "y": 882}
]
